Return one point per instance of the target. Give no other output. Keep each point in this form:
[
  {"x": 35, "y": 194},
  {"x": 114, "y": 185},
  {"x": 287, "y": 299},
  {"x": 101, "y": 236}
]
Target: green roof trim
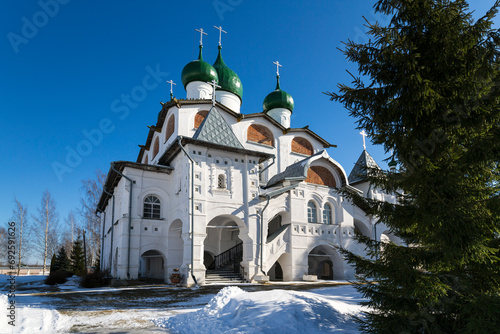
[
  {"x": 228, "y": 79},
  {"x": 198, "y": 70}
]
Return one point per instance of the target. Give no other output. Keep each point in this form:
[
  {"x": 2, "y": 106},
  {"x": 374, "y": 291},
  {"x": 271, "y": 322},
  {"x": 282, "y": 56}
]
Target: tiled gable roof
[
  {"x": 214, "y": 129},
  {"x": 361, "y": 168}
]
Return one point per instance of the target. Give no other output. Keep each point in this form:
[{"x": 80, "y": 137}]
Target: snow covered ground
[{"x": 273, "y": 309}]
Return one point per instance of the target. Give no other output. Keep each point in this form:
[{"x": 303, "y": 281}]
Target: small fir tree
[
  {"x": 77, "y": 258},
  {"x": 430, "y": 92},
  {"x": 63, "y": 263},
  {"x": 53, "y": 264}
]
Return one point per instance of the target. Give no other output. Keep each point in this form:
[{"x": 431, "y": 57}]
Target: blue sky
[{"x": 63, "y": 66}]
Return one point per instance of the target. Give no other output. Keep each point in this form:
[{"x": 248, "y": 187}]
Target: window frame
[
  {"x": 152, "y": 204},
  {"x": 327, "y": 209},
  {"x": 312, "y": 212}
]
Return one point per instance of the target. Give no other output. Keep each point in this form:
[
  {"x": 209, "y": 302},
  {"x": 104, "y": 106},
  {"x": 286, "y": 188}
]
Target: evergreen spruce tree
[
  {"x": 430, "y": 90},
  {"x": 77, "y": 258},
  {"x": 63, "y": 263},
  {"x": 54, "y": 266}
]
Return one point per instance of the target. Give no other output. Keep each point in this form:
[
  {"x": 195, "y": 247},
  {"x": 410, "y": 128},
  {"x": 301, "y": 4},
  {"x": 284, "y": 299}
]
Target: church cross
[
  {"x": 214, "y": 85},
  {"x": 171, "y": 88},
  {"x": 220, "y": 33},
  {"x": 363, "y": 133},
  {"x": 278, "y": 65},
  {"x": 202, "y": 32}
]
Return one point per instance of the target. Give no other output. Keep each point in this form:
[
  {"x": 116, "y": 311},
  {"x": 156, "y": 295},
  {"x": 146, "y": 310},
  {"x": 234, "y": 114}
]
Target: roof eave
[
  {"x": 174, "y": 149},
  {"x": 114, "y": 177}
]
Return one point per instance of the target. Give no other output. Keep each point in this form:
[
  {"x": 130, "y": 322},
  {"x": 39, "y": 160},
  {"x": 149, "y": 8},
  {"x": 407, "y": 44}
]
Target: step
[
  {"x": 222, "y": 276},
  {"x": 219, "y": 278}
]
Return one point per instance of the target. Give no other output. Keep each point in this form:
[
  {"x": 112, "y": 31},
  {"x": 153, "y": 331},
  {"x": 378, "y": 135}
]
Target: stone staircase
[
  {"x": 222, "y": 276},
  {"x": 225, "y": 267}
]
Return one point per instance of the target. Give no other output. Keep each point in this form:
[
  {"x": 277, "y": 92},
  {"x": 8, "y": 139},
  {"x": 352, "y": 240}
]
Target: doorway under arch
[
  {"x": 152, "y": 264},
  {"x": 222, "y": 245},
  {"x": 325, "y": 262},
  {"x": 276, "y": 272}
]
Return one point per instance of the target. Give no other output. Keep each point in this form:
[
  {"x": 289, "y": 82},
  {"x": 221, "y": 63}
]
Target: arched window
[
  {"x": 260, "y": 134},
  {"x": 312, "y": 212},
  {"x": 320, "y": 175},
  {"x": 152, "y": 207},
  {"x": 221, "y": 181},
  {"x": 170, "y": 127},
  {"x": 145, "y": 158},
  {"x": 156, "y": 147},
  {"x": 327, "y": 214},
  {"x": 302, "y": 145},
  {"x": 199, "y": 117}
]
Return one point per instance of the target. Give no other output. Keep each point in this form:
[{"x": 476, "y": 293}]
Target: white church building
[{"x": 215, "y": 190}]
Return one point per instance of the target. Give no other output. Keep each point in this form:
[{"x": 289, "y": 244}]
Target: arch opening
[
  {"x": 152, "y": 265},
  {"x": 276, "y": 272},
  {"x": 325, "y": 263},
  {"x": 360, "y": 227},
  {"x": 175, "y": 246},
  {"x": 223, "y": 249}
]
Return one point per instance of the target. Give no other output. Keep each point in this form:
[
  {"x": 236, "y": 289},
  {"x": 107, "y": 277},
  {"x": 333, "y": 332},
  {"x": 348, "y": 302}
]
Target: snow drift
[{"x": 233, "y": 310}]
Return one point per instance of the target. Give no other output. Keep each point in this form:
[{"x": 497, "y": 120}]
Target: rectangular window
[{"x": 221, "y": 181}]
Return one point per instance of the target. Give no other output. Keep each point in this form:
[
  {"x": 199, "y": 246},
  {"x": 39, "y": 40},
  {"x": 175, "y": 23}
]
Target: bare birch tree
[
  {"x": 91, "y": 189},
  {"x": 20, "y": 217},
  {"x": 45, "y": 228},
  {"x": 70, "y": 231}
]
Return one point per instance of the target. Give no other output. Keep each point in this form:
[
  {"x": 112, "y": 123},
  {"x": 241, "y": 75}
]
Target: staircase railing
[{"x": 233, "y": 256}]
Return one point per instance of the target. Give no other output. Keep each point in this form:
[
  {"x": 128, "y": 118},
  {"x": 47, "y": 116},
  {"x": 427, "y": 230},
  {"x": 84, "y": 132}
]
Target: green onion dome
[
  {"x": 228, "y": 80},
  {"x": 198, "y": 70},
  {"x": 278, "y": 99}
]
